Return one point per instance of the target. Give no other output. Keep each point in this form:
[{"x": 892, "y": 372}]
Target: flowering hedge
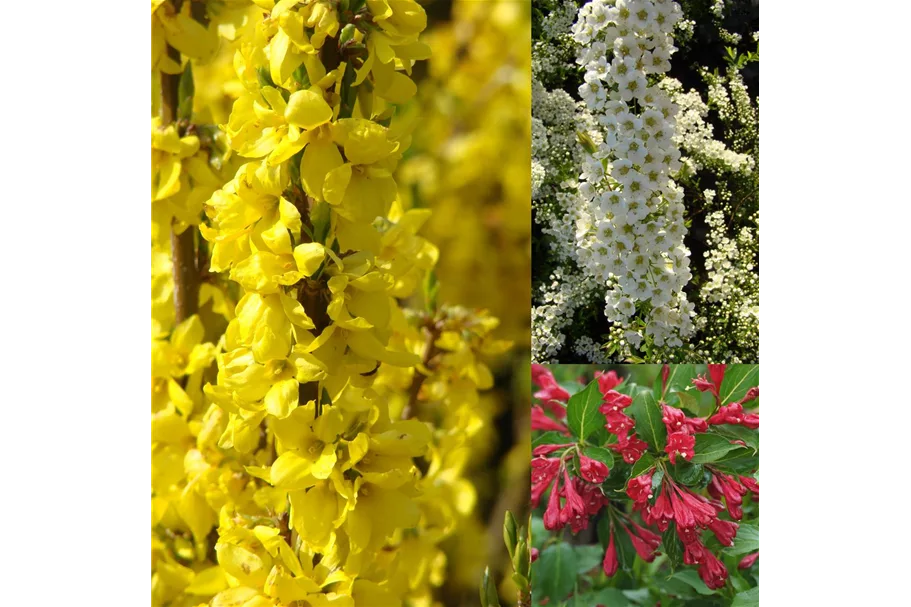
[
  {"x": 645, "y": 181},
  {"x": 645, "y": 485},
  {"x": 313, "y": 401}
]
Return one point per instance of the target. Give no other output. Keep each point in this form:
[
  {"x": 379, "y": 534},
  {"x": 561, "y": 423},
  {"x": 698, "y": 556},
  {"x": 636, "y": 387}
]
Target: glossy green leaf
[
  {"x": 649, "y": 427},
  {"x": 606, "y": 456},
  {"x": 737, "y": 380},
  {"x": 607, "y": 596},
  {"x": 746, "y": 541},
  {"x": 555, "y": 572},
  {"x": 672, "y": 547},
  {"x": 588, "y": 557},
  {"x": 642, "y": 465},
  {"x": 679, "y": 378},
  {"x": 582, "y": 415},
  {"x": 747, "y": 435},
  {"x": 748, "y": 598},
  {"x": 686, "y": 473},
  {"x": 692, "y": 579},
  {"x": 711, "y": 448}
]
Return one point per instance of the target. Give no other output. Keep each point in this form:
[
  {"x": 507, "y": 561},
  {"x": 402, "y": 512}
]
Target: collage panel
[
  {"x": 340, "y": 302},
  {"x": 645, "y": 181},
  {"x": 645, "y": 485}
]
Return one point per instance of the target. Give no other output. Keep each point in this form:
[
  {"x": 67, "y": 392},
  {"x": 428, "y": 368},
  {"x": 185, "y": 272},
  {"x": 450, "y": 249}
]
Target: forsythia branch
[{"x": 183, "y": 245}]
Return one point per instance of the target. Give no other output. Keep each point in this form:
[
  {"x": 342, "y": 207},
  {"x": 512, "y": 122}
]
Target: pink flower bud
[
  {"x": 610, "y": 563},
  {"x": 535, "y": 553},
  {"x": 607, "y": 381},
  {"x": 712, "y": 571},
  {"x": 540, "y": 421},
  {"x": 747, "y": 561},
  {"x": 592, "y": 470}
]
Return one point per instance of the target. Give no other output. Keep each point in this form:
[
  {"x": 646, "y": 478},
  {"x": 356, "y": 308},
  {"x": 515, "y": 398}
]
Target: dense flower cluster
[
  {"x": 321, "y": 460},
  {"x": 576, "y": 479},
  {"x": 614, "y": 175}
]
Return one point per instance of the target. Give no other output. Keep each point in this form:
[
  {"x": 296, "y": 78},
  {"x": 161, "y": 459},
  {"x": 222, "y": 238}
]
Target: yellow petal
[
  {"x": 336, "y": 184},
  {"x": 291, "y": 472},
  {"x": 307, "y": 109},
  {"x": 282, "y": 398},
  {"x": 208, "y": 582},
  {"x": 309, "y": 256},
  {"x": 321, "y": 157}
]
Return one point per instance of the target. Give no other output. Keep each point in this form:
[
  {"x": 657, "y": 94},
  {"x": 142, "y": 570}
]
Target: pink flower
[
  {"x": 640, "y": 488},
  {"x": 704, "y": 385},
  {"x": 573, "y": 511},
  {"x": 717, "y": 374},
  {"x": 618, "y": 423},
  {"x": 694, "y": 553},
  {"x": 550, "y": 393},
  {"x": 610, "y": 563},
  {"x": 751, "y": 420},
  {"x": 731, "y": 490},
  {"x": 683, "y": 516},
  {"x": 725, "y": 531},
  {"x": 728, "y": 414},
  {"x": 552, "y": 520},
  {"x": 747, "y": 561},
  {"x": 650, "y": 537},
  {"x": 645, "y": 550},
  {"x": 676, "y": 420},
  {"x": 592, "y": 470},
  {"x": 752, "y": 394},
  {"x": 752, "y": 486},
  {"x": 630, "y": 448},
  {"x": 592, "y": 496},
  {"x": 615, "y": 400},
  {"x": 607, "y": 381},
  {"x": 540, "y": 421},
  {"x": 712, "y": 571},
  {"x": 543, "y": 472},
  {"x": 548, "y": 449},
  {"x": 680, "y": 443}
]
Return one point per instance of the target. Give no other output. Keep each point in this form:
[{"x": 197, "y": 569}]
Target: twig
[
  {"x": 183, "y": 245},
  {"x": 430, "y": 350}
]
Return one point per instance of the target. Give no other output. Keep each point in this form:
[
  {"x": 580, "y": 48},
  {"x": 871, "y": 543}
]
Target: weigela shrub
[{"x": 666, "y": 473}]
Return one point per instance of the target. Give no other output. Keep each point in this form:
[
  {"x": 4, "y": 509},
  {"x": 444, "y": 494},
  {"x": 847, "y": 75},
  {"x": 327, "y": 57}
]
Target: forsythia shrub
[
  {"x": 620, "y": 471},
  {"x": 320, "y": 460}
]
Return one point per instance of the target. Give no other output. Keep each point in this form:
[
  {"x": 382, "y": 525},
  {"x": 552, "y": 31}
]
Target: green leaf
[
  {"x": 555, "y": 571},
  {"x": 551, "y": 437},
  {"x": 739, "y": 461},
  {"x": 737, "y": 380},
  {"x": 746, "y": 541},
  {"x": 572, "y": 387},
  {"x": 679, "y": 378},
  {"x": 588, "y": 557},
  {"x": 642, "y": 465},
  {"x": 539, "y": 533},
  {"x": 747, "y": 435},
  {"x": 185, "y": 91},
  {"x": 711, "y": 447},
  {"x": 686, "y": 473},
  {"x": 692, "y": 579},
  {"x": 607, "y": 596},
  {"x": 649, "y": 427},
  {"x": 605, "y": 456},
  {"x": 672, "y": 546},
  {"x": 657, "y": 478},
  {"x": 748, "y": 598},
  {"x": 690, "y": 402},
  {"x": 582, "y": 415}
]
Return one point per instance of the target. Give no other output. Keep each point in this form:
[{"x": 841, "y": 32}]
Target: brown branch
[
  {"x": 430, "y": 350},
  {"x": 183, "y": 245}
]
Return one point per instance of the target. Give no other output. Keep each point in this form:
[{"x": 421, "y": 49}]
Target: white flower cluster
[
  {"x": 733, "y": 284},
  {"x": 632, "y": 238},
  {"x": 694, "y": 134},
  {"x": 566, "y": 293}
]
